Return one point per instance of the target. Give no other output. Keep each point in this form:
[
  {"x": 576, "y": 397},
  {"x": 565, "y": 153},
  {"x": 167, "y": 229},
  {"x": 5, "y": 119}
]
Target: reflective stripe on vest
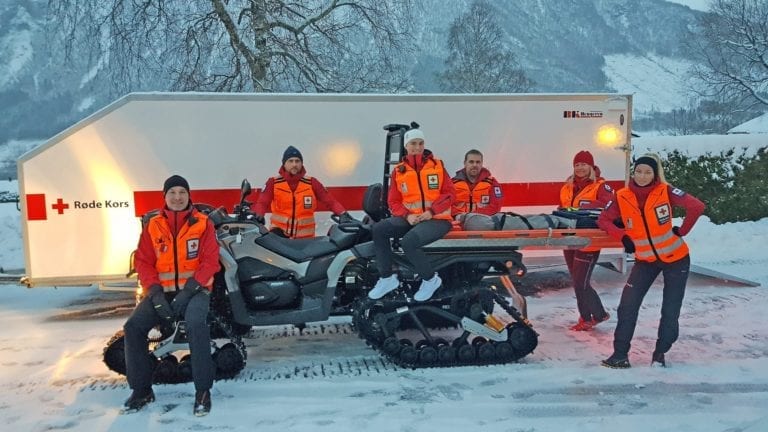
[
  {"x": 651, "y": 228},
  {"x": 176, "y": 261},
  {"x": 293, "y": 211},
  {"x": 468, "y": 200},
  {"x": 420, "y": 190}
]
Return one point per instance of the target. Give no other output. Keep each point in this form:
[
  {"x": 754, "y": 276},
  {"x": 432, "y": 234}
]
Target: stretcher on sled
[{"x": 553, "y": 238}]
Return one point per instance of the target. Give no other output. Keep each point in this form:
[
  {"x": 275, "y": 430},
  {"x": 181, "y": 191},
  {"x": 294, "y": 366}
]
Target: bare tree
[
  {"x": 732, "y": 45},
  {"x": 240, "y": 45},
  {"x": 479, "y": 59}
]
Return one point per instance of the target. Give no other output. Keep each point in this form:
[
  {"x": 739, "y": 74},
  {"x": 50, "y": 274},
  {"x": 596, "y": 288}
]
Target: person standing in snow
[
  {"x": 420, "y": 197},
  {"x": 645, "y": 210},
  {"x": 176, "y": 259},
  {"x": 585, "y": 189},
  {"x": 292, "y": 198},
  {"x": 477, "y": 191}
]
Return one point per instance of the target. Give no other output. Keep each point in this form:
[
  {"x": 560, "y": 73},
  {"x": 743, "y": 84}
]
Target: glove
[
  {"x": 259, "y": 218},
  {"x": 345, "y": 218},
  {"x": 676, "y": 230},
  {"x": 180, "y": 302},
  {"x": 160, "y": 303},
  {"x": 629, "y": 245}
]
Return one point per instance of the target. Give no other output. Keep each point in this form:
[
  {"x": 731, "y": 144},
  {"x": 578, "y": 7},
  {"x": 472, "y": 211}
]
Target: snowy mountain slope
[
  {"x": 15, "y": 45},
  {"x": 657, "y": 83},
  {"x": 702, "y": 5},
  {"x": 562, "y": 45}
]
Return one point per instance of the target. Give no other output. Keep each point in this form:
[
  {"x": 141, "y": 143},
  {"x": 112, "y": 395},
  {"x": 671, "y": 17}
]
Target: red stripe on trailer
[{"x": 351, "y": 197}]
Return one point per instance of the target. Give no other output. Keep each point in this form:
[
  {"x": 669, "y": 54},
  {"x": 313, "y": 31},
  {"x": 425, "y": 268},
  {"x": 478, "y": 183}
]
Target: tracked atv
[{"x": 266, "y": 279}]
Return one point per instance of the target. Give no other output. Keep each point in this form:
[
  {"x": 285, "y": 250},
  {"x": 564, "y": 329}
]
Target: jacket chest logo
[
  {"x": 307, "y": 202},
  {"x": 433, "y": 181},
  {"x": 663, "y": 214},
  {"x": 193, "y": 246}
]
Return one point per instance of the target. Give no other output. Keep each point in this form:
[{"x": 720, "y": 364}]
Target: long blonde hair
[{"x": 592, "y": 175}]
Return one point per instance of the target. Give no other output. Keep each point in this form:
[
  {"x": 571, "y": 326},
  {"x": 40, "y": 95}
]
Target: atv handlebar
[{"x": 347, "y": 223}]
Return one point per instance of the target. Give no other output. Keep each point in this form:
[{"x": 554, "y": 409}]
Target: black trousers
[
  {"x": 138, "y": 365},
  {"x": 640, "y": 279},
  {"x": 412, "y": 238},
  {"x": 580, "y": 266}
]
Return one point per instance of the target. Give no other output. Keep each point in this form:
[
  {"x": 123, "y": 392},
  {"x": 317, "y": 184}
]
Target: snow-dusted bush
[{"x": 733, "y": 184}]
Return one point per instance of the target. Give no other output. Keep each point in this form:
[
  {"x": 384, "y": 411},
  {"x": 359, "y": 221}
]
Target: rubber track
[{"x": 408, "y": 353}]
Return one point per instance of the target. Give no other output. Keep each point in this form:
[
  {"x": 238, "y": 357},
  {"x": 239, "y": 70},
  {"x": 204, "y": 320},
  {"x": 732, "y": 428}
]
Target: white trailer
[{"x": 82, "y": 191}]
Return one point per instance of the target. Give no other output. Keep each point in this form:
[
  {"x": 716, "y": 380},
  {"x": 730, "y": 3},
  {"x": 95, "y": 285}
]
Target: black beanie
[
  {"x": 175, "y": 180},
  {"x": 292, "y": 152},
  {"x": 651, "y": 162}
]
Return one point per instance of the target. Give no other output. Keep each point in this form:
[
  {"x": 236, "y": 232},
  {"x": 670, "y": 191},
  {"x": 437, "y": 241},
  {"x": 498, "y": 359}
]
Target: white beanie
[{"x": 413, "y": 134}]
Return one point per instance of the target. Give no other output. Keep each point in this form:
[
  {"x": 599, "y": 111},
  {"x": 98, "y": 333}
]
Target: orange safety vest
[
  {"x": 421, "y": 189},
  {"x": 584, "y": 198},
  {"x": 177, "y": 259},
  {"x": 468, "y": 200},
  {"x": 651, "y": 228},
  {"x": 294, "y": 211}
]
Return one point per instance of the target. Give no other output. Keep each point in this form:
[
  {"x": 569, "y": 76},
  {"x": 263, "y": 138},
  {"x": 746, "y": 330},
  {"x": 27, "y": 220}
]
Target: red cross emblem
[
  {"x": 60, "y": 206},
  {"x": 663, "y": 211}
]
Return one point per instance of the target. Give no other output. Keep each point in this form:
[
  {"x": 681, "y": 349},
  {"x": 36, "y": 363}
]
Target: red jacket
[
  {"x": 441, "y": 204},
  {"x": 146, "y": 258},
  {"x": 264, "y": 203}
]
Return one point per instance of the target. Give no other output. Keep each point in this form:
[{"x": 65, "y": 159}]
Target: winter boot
[
  {"x": 202, "y": 403},
  {"x": 138, "y": 400},
  {"x": 428, "y": 288},
  {"x": 657, "y": 360},
  {"x": 383, "y": 287},
  {"x": 617, "y": 361}
]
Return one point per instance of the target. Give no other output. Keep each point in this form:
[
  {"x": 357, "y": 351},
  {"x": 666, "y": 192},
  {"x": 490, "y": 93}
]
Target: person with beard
[
  {"x": 476, "y": 189},
  {"x": 176, "y": 259},
  {"x": 644, "y": 208},
  {"x": 585, "y": 189},
  {"x": 420, "y": 197},
  {"x": 292, "y": 199}
]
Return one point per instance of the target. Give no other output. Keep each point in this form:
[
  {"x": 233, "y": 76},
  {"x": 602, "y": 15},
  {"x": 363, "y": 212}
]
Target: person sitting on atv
[
  {"x": 420, "y": 197},
  {"x": 176, "y": 259},
  {"x": 292, "y": 198},
  {"x": 477, "y": 191}
]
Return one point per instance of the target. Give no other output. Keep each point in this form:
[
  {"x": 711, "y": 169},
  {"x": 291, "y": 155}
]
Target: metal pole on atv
[{"x": 393, "y": 153}]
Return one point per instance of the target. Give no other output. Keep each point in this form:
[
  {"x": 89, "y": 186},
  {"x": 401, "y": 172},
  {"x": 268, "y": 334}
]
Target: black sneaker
[
  {"x": 658, "y": 360},
  {"x": 202, "y": 403},
  {"x": 616, "y": 361},
  {"x": 138, "y": 400}
]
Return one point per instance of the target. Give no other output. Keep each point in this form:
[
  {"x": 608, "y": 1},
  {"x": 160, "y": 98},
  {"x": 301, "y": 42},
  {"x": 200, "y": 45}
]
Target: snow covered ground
[{"x": 52, "y": 377}]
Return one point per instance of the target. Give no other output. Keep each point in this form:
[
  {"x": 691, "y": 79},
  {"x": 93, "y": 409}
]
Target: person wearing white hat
[{"x": 420, "y": 197}]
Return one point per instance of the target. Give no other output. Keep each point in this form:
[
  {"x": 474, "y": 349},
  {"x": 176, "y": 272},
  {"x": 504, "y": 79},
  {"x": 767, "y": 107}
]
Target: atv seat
[{"x": 297, "y": 250}]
